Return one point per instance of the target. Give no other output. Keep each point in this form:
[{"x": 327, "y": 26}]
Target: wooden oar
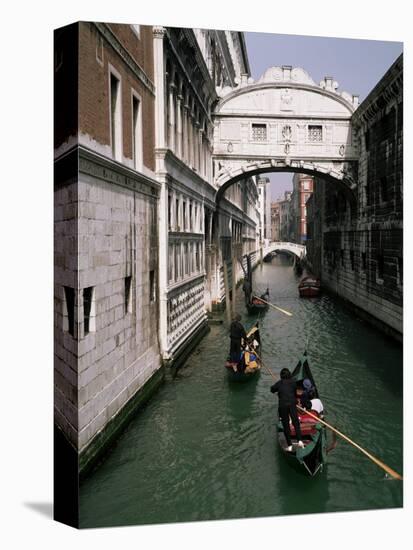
[
  {"x": 275, "y": 307},
  {"x": 386, "y": 468},
  {"x": 264, "y": 365}
]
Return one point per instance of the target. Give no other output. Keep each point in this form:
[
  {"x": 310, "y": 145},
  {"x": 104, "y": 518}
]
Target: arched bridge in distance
[{"x": 297, "y": 250}]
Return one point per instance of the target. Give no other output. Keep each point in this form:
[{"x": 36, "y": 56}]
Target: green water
[{"x": 205, "y": 448}]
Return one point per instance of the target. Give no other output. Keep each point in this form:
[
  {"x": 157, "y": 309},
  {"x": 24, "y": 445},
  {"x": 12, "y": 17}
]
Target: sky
[{"x": 357, "y": 66}]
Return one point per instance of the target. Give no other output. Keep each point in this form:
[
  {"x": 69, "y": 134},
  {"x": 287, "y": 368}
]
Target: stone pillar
[
  {"x": 191, "y": 139},
  {"x": 200, "y": 158},
  {"x": 160, "y": 143},
  {"x": 158, "y": 34},
  {"x": 178, "y": 147},
  {"x": 171, "y": 109},
  {"x": 186, "y": 133},
  {"x": 174, "y": 212}
]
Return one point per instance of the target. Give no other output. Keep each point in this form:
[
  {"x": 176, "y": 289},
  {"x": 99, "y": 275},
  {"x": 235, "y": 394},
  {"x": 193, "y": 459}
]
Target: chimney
[
  {"x": 244, "y": 79},
  {"x": 286, "y": 72},
  {"x": 328, "y": 82}
]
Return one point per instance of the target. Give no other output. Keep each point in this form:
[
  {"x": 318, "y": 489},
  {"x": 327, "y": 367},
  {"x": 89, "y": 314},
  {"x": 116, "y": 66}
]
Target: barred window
[
  {"x": 259, "y": 132},
  {"x": 315, "y": 133},
  {"x": 70, "y": 309},
  {"x": 128, "y": 301}
]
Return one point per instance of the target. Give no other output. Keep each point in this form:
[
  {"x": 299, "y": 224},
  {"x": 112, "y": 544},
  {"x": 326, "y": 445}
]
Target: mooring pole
[
  {"x": 234, "y": 281},
  {"x": 227, "y": 298}
]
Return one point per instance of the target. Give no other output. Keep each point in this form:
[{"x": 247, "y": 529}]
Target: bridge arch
[
  {"x": 294, "y": 249},
  {"x": 342, "y": 180}
]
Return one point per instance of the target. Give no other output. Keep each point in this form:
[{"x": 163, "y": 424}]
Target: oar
[
  {"x": 264, "y": 365},
  {"x": 275, "y": 307},
  {"x": 386, "y": 468}
]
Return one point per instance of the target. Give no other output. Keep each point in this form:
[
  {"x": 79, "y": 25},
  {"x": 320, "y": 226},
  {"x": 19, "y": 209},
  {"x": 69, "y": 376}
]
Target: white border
[{"x": 27, "y": 273}]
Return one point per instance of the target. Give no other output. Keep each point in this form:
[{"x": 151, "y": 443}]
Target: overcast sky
[{"x": 357, "y": 66}]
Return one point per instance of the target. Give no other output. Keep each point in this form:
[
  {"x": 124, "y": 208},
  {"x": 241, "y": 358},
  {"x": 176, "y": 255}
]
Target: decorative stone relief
[
  {"x": 278, "y": 74},
  {"x": 185, "y": 308},
  {"x": 287, "y": 133},
  {"x": 286, "y": 100}
]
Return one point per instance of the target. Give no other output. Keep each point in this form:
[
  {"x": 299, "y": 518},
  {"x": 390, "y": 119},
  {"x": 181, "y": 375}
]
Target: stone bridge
[
  {"x": 298, "y": 250},
  {"x": 285, "y": 122}
]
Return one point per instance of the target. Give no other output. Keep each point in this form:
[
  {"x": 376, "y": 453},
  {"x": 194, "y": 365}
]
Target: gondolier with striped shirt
[{"x": 287, "y": 408}]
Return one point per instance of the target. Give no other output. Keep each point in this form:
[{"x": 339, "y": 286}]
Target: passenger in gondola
[
  {"x": 266, "y": 295},
  {"x": 308, "y": 389},
  {"x": 287, "y": 408},
  {"x": 313, "y": 403},
  {"x": 237, "y": 337}
]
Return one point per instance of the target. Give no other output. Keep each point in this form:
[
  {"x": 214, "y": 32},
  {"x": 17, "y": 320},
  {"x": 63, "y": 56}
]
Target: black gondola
[
  {"x": 252, "y": 301},
  {"x": 256, "y": 305},
  {"x": 312, "y": 457}
]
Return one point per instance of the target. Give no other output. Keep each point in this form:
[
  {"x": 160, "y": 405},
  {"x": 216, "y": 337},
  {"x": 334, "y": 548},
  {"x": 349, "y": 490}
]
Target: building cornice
[
  {"x": 118, "y": 47},
  {"x": 169, "y": 157},
  {"x": 102, "y": 168},
  {"x": 388, "y": 89}
]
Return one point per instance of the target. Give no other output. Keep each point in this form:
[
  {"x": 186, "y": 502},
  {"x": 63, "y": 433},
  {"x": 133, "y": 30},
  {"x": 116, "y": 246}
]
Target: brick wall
[{"x": 94, "y": 102}]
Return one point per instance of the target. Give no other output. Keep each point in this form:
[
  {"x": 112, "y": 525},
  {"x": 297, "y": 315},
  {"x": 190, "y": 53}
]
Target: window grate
[
  {"x": 259, "y": 132},
  {"x": 315, "y": 133}
]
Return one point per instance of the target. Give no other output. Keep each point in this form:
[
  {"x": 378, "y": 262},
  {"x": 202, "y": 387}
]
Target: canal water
[{"x": 205, "y": 448}]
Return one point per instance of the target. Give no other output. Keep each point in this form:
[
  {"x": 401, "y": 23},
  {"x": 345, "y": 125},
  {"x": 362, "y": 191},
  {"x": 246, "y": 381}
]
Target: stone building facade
[
  {"x": 302, "y": 190},
  {"x": 362, "y": 233},
  {"x": 275, "y": 220},
  {"x": 264, "y": 203},
  {"x": 285, "y": 224},
  {"x": 106, "y": 247},
  {"x": 191, "y": 67},
  {"x": 314, "y": 241}
]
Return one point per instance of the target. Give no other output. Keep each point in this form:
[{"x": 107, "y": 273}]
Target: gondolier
[
  {"x": 287, "y": 408},
  {"x": 246, "y": 287}
]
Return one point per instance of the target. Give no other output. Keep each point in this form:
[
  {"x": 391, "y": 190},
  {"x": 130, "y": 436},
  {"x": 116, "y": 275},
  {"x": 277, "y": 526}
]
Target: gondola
[
  {"x": 268, "y": 258},
  {"x": 298, "y": 268},
  {"x": 309, "y": 287},
  {"x": 312, "y": 457},
  {"x": 249, "y": 365},
  {"x": 255, "y": 305}
]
